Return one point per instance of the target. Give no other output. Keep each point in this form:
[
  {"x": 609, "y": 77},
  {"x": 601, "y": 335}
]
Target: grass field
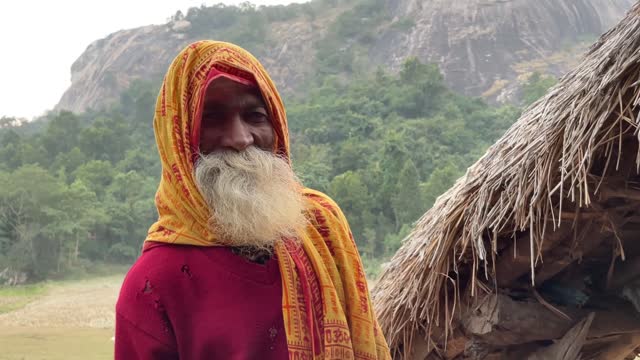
[
  {"x": 59, "y": 320},
  {"x": 14, "y": 298}
]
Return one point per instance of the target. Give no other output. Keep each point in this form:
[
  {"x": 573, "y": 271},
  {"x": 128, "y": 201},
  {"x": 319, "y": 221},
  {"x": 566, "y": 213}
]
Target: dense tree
[
  {"x": 384, "y": 146},
  {"x": 61, "y": 134},
  {"x": 536, "y": 86},
  {"x": 106, "y": 140},
  {"x": 353, "y": 195},
  {"x": 407, "y": 203},
  {"x": 30, "y": 210}
]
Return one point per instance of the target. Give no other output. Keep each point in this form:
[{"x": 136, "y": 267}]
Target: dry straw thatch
[{"x": 560, "y": 185}]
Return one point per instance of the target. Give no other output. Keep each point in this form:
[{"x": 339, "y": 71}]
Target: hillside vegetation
[{"x": 78, "y": 188}]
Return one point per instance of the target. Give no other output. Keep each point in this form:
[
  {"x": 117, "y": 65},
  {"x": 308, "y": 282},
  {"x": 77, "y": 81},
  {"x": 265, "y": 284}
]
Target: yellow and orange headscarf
[{"x": 325, "y": 303}]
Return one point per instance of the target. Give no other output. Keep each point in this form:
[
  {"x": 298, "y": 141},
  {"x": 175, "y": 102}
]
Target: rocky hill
[{"x": 484, "y": 47}]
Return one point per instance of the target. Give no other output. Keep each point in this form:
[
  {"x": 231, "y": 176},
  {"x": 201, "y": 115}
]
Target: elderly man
[{"x": 243, "y": 262}]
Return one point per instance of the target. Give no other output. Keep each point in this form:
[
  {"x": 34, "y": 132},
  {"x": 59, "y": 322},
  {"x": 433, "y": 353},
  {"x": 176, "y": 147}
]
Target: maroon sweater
[{"x": 188, "y": 302}]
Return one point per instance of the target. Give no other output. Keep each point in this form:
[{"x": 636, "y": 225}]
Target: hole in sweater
[
  {"x": 148, "y": 289},
  {"x": 185, "y": 270}
]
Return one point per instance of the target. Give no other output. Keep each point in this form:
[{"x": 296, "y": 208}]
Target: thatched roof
[{"x": 569, "y": 163}]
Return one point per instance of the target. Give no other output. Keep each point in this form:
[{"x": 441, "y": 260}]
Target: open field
[
  {"x": 59, "y": 320},
  {"x": 14, "y": 298},
  {"x": 55, "y": 343}
]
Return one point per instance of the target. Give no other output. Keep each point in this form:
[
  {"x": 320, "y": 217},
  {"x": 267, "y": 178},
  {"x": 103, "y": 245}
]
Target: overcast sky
[{"x": 40, "y": 40}]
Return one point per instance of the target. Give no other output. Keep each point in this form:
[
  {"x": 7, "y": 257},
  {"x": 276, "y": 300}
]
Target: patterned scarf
[{"x": 325, "y": 303}]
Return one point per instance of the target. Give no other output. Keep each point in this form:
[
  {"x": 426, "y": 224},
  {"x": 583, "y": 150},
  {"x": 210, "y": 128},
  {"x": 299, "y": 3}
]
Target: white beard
[{"x": 253, "y": 196}]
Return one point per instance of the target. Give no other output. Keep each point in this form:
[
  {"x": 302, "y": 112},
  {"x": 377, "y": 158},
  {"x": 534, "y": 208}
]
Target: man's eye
[{"x": 257, "y": 117}]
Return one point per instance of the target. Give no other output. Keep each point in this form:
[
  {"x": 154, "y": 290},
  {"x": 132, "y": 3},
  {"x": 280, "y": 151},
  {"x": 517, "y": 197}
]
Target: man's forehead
[{"x": 227, "y": 89}]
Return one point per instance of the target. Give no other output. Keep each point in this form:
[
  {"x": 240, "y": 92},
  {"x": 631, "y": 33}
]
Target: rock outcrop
[{"x": 484, "y": 47}]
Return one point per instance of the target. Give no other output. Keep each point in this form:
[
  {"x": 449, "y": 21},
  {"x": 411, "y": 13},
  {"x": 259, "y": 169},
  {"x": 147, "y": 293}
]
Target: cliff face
[
  {"x": 484, "y": 47},
  {"x": 108, "y": 66}
]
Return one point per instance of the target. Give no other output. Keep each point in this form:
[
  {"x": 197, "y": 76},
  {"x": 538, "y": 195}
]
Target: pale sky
[{"x": 40, "y": 40}]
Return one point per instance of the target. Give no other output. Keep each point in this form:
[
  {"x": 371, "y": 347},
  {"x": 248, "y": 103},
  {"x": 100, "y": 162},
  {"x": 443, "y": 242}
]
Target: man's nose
[{"x": 237, "y": 134}]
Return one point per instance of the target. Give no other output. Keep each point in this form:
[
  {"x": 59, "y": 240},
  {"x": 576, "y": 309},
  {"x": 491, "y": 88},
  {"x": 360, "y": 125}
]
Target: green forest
[{"x": 78, "y": 189}]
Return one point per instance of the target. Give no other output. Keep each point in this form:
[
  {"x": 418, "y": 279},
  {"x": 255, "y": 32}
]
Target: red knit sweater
[{"x": 188, "y": 302}]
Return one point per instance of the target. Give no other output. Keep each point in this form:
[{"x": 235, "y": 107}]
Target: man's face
[
  {"x": 253, "y": 195},
  {"x": 234, "y": 117}
]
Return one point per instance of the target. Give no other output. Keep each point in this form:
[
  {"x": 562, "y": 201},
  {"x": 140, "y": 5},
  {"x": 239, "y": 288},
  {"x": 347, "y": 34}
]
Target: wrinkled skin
[{"x": 234, "y": 117}]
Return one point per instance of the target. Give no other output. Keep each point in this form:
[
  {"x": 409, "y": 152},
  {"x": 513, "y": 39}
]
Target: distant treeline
[
  {"x": 77, "y": 189},
  {"x": 80, "y": 188}
]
